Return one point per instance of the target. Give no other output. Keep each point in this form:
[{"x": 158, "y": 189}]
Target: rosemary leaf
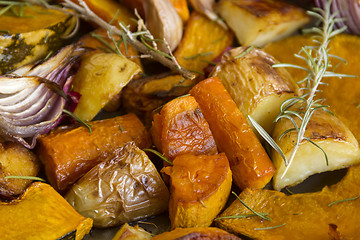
[
  {"x": 240, "y": 216},
  {"x": 26, "y": 178},
  {"x": 247, "y": 50},
  {"x": 252, "y": 210},
  {"x": 88, "y": 126},
  {"x": 269, "y": 228},
  {"x": 198, "y": 55},
  {"x": 343, "y": 200},
  {"x": 158, "y": 154}
]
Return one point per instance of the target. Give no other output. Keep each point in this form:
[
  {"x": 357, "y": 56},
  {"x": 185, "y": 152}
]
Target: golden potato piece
[
  {"x": 16, "y": 160},
  {"x": 199, "y": 188},
  {"x": 257, "y": 22}
]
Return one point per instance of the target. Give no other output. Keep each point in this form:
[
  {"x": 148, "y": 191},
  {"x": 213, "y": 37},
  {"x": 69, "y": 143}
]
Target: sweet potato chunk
[
  {"x": 300, "y": 216},
  {"x": 16, "y": 160},
  {"x": 181, "y": 128},
  {"x": 198, "y": 233},
  {"x": 69, "y": 154},
  {"x": 200, "y": 186},
  {"x": 249, "y": 162}
]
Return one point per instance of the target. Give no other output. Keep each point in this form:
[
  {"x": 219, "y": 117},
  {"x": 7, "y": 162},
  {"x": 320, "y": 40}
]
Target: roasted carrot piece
[
  {"x": 69, "y": 154},
  {"x": 249, "y": 162},
  {"x": 181, "y": 128}
]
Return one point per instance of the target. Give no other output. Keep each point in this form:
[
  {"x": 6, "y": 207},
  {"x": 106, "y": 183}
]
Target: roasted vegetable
[
  {"x": 41, "y": 213},
  {"x": 101, "y": 76},
  {"x": 196, "y": 51},
  {"x": 123, "y": 188},
  {"x": 249, "y": 163},
  {"x": 199, "y": 188},
  {"x": 164, "y": 23},
  {"x": 110, "y": 11},
  {"x": 69, "y": 153},
  {"x": 341, "y": 94},
  {"x": 328, "y": 133},
  {"x": 257, "y": 22},
  {"x": 16, "y": 160},
  {"x": 128, "y": 232},
  {"x": 198, "y": 233},
  {"x": 181, "y": 128},
  {"x": 31, "y": 99},
  {"x": 257, "y": 88},
  {"x": 24, "y": 40},
  {"x": 143, "y": 96},
  {"x": 298, "y": 216}
]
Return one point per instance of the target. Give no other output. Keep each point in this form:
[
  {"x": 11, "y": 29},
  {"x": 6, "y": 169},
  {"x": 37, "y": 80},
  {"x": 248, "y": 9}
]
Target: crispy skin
[
  {"x": 69, "y": 154},
  {"x": 250, "y": 165}
]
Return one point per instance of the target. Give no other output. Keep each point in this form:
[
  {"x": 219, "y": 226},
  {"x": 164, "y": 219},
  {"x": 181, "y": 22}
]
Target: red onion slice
[{"x": 28, "y": 105}]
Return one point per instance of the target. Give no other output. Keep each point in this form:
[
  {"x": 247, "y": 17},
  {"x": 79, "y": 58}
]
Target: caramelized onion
[{"x": 30, "y": 103}]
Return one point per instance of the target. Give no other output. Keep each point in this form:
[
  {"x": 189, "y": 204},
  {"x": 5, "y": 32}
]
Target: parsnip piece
[
  {"x": 101, "y": 76},
  {"x": 257, "y": 22},
  {"x": 200, "y": 187},
  {"x": 128, "y": 232},
  {"x": 123, "y": 188},
  {"x": 257, "y": 88},
  {"x": 326, "y": 131}
]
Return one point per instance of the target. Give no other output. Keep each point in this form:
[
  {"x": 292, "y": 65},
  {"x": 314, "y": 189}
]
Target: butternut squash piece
[
  {"x": 299, "y": 216},
  {"x": 41, "y": 213},
  {"x": 199, "y": 188},
  {"x": 195, "y": 51},
  {"x": 127, "y": 232},
  {"x": 181, "y": 128},
  {"x": 196, "y": 233},
  {"x": 123, "y": 188},
  {"x": 249, "y": 163},
  {"x": 69, "y": 154},
  {"x": 340, "y": 94},
  {"x": 16, "y": 160}
]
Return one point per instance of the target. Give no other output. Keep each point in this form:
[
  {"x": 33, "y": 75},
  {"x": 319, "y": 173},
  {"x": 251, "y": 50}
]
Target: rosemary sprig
[
  {"x": 198, "y": 55},
  {"x": 263, "y": 216},
  {"x": 240, "y": 216},
  {"x": 269, "y": 228},
  {"x": 343, "y": 200},
  {"x": 83, "y": 11},
  {"x": 246, "y": 51},
  {"x": 158, "y": 154},
  {"x": 88, "y": 126},
  {"x": 317, "y": 59}
]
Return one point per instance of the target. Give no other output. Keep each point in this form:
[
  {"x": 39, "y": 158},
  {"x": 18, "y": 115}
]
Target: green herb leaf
[
  {"x": 26, "y": 178},
  {"x": 88, "y": 126},
  {"x": 158, "y": 154},
  {"x": 253, "y": 211},
  {"x": 343, "y": 200},
  {"x": 269, "y": 228}
]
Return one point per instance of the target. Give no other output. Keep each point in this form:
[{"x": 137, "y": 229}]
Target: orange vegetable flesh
[
  {"x": 69, "y": 154},
  {"x": 249, "y": 162},
  {"x": 181, "y": 128}
]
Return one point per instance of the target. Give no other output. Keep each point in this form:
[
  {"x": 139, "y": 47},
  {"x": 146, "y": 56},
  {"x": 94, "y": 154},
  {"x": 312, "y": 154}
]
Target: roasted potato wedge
[
  {"x": 199, "y": 188},
  {"x": 16, "y": 160},
  {"x": 101, "y": 76},
  {"x": 181, "y": 128},
  {"x": 249, "y": 163},
  {"x": 257, "y": 88},
  {"x": 328, "y": 133},
  {"x": 123, "y": 188},
  {"x": 69, "y": 153},
  {"x": 257, "y": 22},
  {"x": 298, "y": 216}
]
